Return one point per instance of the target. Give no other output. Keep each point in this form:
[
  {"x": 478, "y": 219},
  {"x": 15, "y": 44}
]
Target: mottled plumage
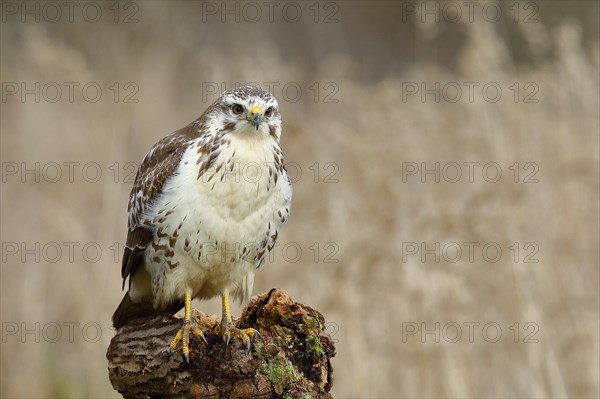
[{"x": 206, "y": 207}]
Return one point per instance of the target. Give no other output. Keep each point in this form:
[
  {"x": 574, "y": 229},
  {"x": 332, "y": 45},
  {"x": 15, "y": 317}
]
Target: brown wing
[{"x": 156, "y": 167}]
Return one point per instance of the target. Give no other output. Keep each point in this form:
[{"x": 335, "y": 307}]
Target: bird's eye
[
  {"x": 269, "y": 111},
  {"x": 237, "y": 109}
]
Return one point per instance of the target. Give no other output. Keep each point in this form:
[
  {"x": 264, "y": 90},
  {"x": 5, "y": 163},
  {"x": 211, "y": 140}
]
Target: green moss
[
  {"x": 292, "y": 375},
  {"x": 286, "y": 318},
  {"x": 314, "y": 346},
  {"x": 282, "y": 335},
  {"x": 280, "y": 371},
  {"x": 312, "y": 323},
  {"x": 273, "y": 370},
  {"x": 258, "y": 346}
]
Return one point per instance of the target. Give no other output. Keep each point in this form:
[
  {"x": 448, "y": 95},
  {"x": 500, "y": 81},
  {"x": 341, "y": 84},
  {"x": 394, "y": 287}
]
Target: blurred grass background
[{"x": 369, "y": 51}]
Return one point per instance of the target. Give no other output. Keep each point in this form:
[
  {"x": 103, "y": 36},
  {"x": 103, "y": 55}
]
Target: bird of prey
[{"x": 206, "y": 208}]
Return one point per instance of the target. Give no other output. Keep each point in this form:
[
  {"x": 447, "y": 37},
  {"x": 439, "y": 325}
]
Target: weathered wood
[{"x": 291, "y": 360}]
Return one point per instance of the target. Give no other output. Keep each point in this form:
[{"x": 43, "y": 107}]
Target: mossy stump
[{"x": 292, "y": 359}]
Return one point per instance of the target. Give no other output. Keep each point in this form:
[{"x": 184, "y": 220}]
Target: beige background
[{"x": 360, "y": 208}]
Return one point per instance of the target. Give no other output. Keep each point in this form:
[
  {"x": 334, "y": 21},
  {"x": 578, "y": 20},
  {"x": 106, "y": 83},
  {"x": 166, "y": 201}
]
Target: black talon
[
  {"x": 228, "y": 338},
  {"x": 187, "y": 357}
]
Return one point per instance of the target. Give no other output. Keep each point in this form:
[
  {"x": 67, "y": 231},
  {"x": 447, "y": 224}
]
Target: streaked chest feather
[{"x": 223, "y": 207}]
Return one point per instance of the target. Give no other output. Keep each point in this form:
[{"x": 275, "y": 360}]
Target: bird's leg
[
  {"x": 226, "y": 328},
  {"x": 183, "y": 334}
]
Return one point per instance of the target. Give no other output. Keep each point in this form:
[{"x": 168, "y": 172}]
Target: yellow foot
[
  {"x": 227, "y": 329},
  {"x": 183, "y": 335}
]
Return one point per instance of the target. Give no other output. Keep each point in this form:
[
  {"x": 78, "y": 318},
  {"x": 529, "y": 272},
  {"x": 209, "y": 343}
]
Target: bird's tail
[{"x": 129, "y": 310}]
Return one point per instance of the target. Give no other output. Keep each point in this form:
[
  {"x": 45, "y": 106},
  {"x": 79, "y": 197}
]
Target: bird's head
[{"x": 248, "y": 110}]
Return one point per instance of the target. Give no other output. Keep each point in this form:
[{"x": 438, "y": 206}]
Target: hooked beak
[{"x": 256, "y": 116}]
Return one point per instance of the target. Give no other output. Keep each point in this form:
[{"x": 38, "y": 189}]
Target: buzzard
[{"x": 206, "y": 208}]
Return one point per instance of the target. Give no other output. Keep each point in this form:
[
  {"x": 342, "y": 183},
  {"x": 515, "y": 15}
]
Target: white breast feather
[{"x": 214, "y": 219}]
